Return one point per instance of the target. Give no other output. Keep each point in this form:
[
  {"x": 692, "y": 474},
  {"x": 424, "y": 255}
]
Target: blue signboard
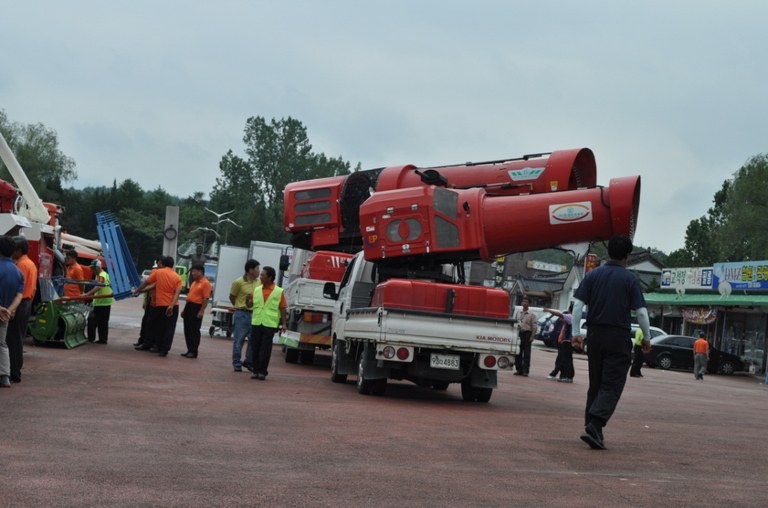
[{"x": 742, "y": 275}]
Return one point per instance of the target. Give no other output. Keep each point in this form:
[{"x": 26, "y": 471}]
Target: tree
[
  {"x": 278, "y": 153},
  {"x": 742, "y": 234},
  {"x": 37, "y": 149},
  {"x": 702, "y": 241}
]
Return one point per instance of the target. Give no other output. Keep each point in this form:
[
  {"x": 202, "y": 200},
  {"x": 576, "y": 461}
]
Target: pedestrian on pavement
[
  {"x": 98, "y": 319},
  {"x": 74, "y": 272},
  {"x": 700, "y": 356},
  {"x": 241, "y": 297},
  {"x": 11, "y": 293},
  {"x": 197, "y": 301},
  {"x": 564, "y": 360},
  {"x": 17, "y": 327},
  {"x": 145, "y": 341},
  {"x": 527, "y": 320},
  {"x": 165, "y": 303},
  {"x": 269, "y": 311},
  {"x": 611, "y": 292},
  {"x": 639, "y": 356}
]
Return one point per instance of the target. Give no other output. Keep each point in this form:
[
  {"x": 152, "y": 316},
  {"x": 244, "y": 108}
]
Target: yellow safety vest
[
  {"x": 267, "y": 313},
  {"x": 104, "y": 290}
]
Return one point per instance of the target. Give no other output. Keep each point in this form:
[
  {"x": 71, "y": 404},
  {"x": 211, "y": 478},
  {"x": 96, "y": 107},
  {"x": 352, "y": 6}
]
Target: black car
[{"x": 676, "y": 351}]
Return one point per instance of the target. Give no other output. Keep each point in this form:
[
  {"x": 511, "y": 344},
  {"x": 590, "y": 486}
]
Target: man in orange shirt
[
  {"x": 700, "y": 356},
  {"x": 165, "y": 303},
  {"x": 74, "y": 272},
  {"x": 17, "y": 327},
  {"x": 197, "y": 301}
]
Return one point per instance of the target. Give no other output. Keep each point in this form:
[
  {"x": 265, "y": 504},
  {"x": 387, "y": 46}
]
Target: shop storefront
[{"x": 733, "y": 323}]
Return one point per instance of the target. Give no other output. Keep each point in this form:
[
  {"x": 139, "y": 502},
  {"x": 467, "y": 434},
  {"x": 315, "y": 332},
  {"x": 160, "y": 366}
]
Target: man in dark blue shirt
[
  {"x": 611, "y": 292},
  {"x": 11, "y": 289}
]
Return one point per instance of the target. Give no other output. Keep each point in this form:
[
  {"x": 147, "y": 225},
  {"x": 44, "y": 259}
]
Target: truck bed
[
  {"x": 307, "y": 294},
  {"x": 438, "y": 330}
]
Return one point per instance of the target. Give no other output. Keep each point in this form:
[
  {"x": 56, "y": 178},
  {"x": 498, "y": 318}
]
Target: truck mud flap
[{"x": 482, "y": 378}]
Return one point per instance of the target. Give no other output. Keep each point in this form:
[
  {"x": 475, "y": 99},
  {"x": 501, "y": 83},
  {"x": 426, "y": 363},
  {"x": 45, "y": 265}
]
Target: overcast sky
[{"x": 159, "y": 91}]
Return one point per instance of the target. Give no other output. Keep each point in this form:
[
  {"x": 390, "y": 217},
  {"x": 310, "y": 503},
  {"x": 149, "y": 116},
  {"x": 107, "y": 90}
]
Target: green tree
[
  {"x": 37, "y": 149},
  {"x": 742, "y": 234},
  {"x": 278, "y": 153}
]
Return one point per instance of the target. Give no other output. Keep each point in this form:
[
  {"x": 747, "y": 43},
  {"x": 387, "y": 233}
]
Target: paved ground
[{"x": 110, "y": 426}]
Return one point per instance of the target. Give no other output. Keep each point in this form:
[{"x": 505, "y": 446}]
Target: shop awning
[{"x": 712, "y": 299}]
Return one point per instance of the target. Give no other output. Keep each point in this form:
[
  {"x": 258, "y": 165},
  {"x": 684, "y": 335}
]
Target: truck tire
[
  {"x": 335, "y": 358},
  {"x": 484, "y": 394},
  {"x": 307, "y": 356},
  {"x": 364, "y": 386},
  {"x": 291, "y": 355},
  {"x": 379, "y": 387},
  {"x": 211, "y": 331},
  {"x": 468, "y": 392}
]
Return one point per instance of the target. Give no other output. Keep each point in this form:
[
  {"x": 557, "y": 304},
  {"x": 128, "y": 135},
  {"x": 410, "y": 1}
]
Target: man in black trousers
[{"x": 611, "y": 292}]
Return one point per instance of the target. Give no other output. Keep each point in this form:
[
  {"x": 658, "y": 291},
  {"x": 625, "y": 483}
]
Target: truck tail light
[
  {"x": 403, "y": 353},
  {"x": 389, "y": 352},
  {"x": 490, "y": 361},
  {"x": 315, "y": 317},
  {"x": 503, "y": 362}
]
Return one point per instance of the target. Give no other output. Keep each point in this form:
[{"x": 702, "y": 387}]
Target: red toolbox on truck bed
[{"x": 433, "y": 297}]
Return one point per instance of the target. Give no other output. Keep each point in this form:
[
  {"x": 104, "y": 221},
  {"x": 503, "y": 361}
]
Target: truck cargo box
[{"x": 434, "y": 297}]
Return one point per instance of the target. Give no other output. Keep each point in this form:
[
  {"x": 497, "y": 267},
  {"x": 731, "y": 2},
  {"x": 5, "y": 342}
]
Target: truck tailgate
[
  {"x": 433, "y": 330},
  {"x": 308, "y": 294}
]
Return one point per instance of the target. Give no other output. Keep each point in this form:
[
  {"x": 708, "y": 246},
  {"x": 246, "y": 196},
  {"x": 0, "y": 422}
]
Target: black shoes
[
  {"x": 260, "y": 377},
  {"x": 143, "y": 347},
  {"x": 163, "y": 354},
  {"x": 635, "y": 375},
  {"x": 238, "y": 368},
  {"x": 189, "y": 355},
  {"x": 248, "y": 366},
  {"x": 521, "y": 374},
  {"x": 593, "y": 436},
  {"x": 101, "y": 342},
  {"x": 137, "y": 344}
]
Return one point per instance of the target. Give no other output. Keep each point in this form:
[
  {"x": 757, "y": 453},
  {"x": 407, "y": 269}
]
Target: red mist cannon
[
  {"x": 325, "y": 213},
  {"x": 464, "y": 224}
]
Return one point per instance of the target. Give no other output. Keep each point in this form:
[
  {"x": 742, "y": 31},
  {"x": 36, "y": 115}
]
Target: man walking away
[
  {"x": 527, "y": 320},
  {"x": 98, "y": 319},
  {"x": 611, "y": 292},
  {"x": 17, "y": 327},
  {"x": 269, "y": 306},
  {"x": 11, "y": 292},
  {"x": 700, "y": 356},
  {"x": 197, "y": 301}
]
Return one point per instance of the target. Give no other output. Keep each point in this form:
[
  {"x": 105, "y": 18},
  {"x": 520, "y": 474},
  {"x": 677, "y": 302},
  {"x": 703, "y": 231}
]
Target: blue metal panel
[{"x": 122, "y": 271}]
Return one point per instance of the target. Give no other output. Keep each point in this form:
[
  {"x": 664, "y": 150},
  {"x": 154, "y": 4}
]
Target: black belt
[{"x": 244, "y": 310}]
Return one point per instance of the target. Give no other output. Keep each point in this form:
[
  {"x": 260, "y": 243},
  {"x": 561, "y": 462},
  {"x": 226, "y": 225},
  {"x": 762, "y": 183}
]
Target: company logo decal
[
  {"x": 570, "y": 212},
  {"x": 519, "y": 175}
]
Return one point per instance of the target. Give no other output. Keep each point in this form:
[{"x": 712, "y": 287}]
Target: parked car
[
  {"x": 145, "y": 274},
  {"x": 676, "y": 351},
  {"x": 655, "y": 332},
  {"x": 550, "y": 332}
]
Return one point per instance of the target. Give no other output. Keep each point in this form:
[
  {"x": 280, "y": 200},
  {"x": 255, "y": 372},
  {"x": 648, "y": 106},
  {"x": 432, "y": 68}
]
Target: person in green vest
[
  {"x": 269, "y": 314},
  {"x": 637, "y": 361},
  {"x": 98, "y": 319}
]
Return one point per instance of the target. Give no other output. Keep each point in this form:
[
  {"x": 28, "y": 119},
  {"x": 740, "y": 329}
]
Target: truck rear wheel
[
  {"x": 468, "y": 392},
  {"x": 484, "y": 394},
  {"x": 307, "y": 356},
  {"x": 291, "y": 355},
  {"x": 335, "y": 358},
  {"x": 364, "y": 386}
]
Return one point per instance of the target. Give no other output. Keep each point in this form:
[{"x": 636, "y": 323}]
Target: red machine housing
[
  {"x": 470, "y": 224},
  {"x": 325, "y": 265},
  {"x": 324, "y": 213},
  {"x": 435, "y": 297}
]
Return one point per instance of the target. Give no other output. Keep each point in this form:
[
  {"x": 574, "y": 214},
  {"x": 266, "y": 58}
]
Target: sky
[{"x": 158, "y": 91}]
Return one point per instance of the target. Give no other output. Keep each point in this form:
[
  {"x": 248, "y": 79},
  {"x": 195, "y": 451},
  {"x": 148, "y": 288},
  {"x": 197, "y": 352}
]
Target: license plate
[{"x": 444, "y": 361}]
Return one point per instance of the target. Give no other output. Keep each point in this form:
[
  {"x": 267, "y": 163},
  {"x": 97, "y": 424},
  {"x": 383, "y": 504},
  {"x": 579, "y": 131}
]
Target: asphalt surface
[{"x": 104, "y": 425}]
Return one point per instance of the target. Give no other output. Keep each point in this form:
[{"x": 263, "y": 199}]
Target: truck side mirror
[
  {"x": 285, "y": 262},
  {"x": 329, "y": 291}
]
